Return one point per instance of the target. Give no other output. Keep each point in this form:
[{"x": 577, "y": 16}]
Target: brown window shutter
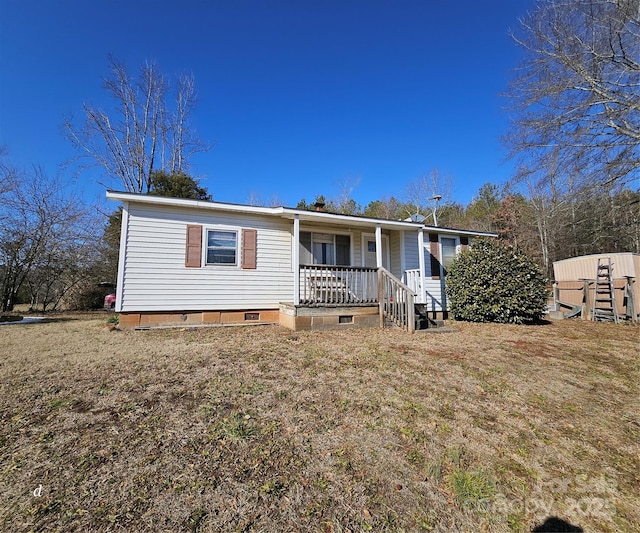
[
  {"x": 193, "y": 254},
  {"x": 435, "y": 256},
  {"x": 249, "y": 242}
]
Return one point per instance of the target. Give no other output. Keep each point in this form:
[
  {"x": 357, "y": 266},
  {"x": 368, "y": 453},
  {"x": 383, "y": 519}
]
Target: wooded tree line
[
  {"x": 575, "y": 139},
  {"x": 547, "y": 228}
]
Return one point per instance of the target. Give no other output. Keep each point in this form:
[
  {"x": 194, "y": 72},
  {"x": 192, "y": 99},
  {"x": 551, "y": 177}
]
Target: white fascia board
[
  {"x": 284, "y": 212},
  {"x": 199, "y": 204},
  {"x": 348, "y": 220}
]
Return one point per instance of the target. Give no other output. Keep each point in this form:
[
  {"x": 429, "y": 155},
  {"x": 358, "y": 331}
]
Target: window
[
  {"x": 324, "y": 249},
  {"x": 222, "y": 247},
  {"x": 449, "y": 251},
  {"x": 343, "y": 250}
]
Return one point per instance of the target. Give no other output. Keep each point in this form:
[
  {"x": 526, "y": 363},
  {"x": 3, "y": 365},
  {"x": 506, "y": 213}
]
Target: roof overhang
[
  {"x": 310, "y": 217},
  {"x": 182, "y": 202}
]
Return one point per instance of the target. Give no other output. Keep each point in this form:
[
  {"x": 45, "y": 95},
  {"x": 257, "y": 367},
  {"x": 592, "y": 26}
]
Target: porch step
[
  {"x": 423, "y": 321},
  {"x": 422, "y": 324}
]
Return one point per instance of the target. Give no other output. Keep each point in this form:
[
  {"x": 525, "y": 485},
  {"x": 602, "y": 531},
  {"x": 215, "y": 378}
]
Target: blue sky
[{"x": 297, "y": 97}]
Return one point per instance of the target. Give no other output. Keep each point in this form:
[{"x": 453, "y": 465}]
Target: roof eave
[
  {"x": 182, "y": 202},
  {"x": 289, "y": 213}
]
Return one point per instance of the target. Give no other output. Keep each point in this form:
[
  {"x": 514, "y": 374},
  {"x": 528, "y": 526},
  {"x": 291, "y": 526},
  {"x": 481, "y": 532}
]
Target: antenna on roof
[
  {"x": 416, "y": 218},
  {"x": 436, "y": 198}
]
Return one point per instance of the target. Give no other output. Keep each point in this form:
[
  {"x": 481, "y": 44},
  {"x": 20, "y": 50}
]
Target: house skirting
[
  {"x": 299, "y": 318},
  {"x": 194, "y": 318}
]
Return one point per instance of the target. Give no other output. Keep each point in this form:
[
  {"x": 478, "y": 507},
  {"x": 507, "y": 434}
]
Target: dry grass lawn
[{"x": 488, "y": 428}]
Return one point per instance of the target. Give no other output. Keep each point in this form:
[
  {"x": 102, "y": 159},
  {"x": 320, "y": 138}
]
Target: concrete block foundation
[{"x": 302, "y": 318}]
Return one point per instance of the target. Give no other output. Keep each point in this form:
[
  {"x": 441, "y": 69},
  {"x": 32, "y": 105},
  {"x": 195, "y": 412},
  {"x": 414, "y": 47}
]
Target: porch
[
  {"x": 346, "y": 274},
  {"x": 330, "y": 296}
]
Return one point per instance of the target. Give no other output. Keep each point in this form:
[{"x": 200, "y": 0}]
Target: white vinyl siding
[
  {"x": 395, "y": 249},
  {"x": 356, "y": 250},
  {"x": 411, "y": 260},
  {"x": 435, "y": 292},
  {"x": 155, "y": 277}
]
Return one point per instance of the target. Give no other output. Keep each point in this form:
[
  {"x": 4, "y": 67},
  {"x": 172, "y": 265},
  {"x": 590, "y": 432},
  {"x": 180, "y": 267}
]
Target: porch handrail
[
  {"x": 396, "y": 301},
  {"x": 338, "y": 285},
  {"x": 413, "y": 279}
]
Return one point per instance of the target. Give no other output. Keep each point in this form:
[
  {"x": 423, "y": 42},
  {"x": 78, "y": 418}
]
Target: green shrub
[{"x": 493, "y": 282}]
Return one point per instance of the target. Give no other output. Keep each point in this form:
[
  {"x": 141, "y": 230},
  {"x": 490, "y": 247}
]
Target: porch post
[
  {"x": 378, "y": 245},
  {"x": 423, "y": 283},
  {"x": 296, "y": 260}
]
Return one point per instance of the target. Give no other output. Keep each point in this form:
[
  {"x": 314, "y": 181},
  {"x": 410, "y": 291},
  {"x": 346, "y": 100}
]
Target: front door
[{"x": 369, "y": 250}]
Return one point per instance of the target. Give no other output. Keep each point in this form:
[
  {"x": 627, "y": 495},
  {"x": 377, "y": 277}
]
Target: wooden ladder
[{"x": 604, "y": 302}]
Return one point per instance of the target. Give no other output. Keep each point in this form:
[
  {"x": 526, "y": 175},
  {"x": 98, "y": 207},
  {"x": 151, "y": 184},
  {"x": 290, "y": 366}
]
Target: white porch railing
[
  {"x": 338, "y": 285},
  {"x": 433, "y": 295},
  {"x": 396, "y": 301},
  {"x": 413, "y": 280},
  {"x": 327, "y": 285}
]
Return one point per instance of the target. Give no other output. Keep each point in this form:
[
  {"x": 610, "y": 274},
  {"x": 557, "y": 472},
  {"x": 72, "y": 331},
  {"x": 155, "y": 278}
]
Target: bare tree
[
  {"x": 142, "y": 133},
  {"x": 577, "y": 94},
  {"x": 258, "y": 200},
  {"x": 422, "y": 192},
  {"x": 344, "y": 203},
  {"x": 47, "y": 236},
  {"x": 8, "y": 177}
]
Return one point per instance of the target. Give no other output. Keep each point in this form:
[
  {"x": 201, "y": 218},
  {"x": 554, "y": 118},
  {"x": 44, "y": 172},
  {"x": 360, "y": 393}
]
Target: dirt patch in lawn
[{"x": 488, "y": 428}]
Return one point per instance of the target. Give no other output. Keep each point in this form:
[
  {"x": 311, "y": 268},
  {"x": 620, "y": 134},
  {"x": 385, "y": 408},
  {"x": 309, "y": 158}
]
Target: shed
[{"x": 574, "y": 282}]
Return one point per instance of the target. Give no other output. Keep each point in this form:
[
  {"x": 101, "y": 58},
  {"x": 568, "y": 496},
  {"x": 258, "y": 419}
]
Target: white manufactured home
[{"x": 195, "y": 262}]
